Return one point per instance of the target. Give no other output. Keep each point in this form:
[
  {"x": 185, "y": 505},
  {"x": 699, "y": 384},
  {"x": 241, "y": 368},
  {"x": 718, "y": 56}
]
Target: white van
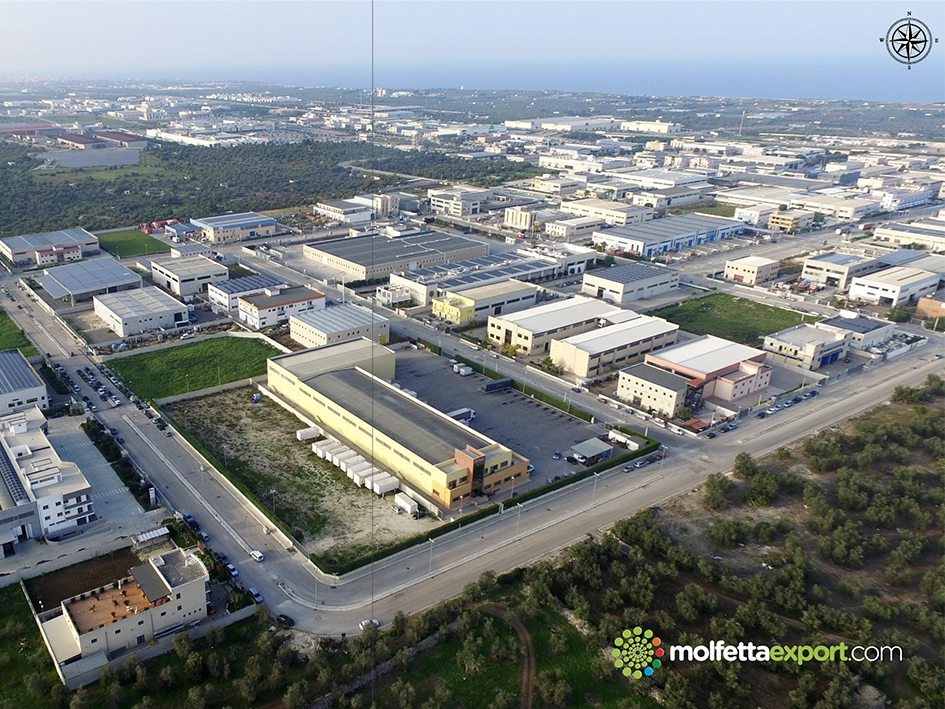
[{"x": 257, "y": 555}]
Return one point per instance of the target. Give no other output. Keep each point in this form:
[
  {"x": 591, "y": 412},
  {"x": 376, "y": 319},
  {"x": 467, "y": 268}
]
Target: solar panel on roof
[{"x": 11, "y": 479}]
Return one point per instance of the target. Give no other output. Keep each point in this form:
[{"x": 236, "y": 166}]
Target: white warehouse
[
  {"x": 145, "y": 309},
  {"x": 338, "y": 323}
]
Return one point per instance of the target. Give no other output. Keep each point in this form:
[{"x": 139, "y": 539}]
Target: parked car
[
  {"x": 530, "y": 469},
  {"x": 191, "y": 522},
  {"x": 257, "y": 555},
  {"x": 761, "y": 414},
  {"x": 285, "y": 620},
  {"x": 203, "y": 536},
  {"x": 642, "y": 463},
  {"x": 257, "y": 596},
  {"x": 556, "y": 455},
  {"x": 368, "y": 623},
  {"x": 232, "y": 571},
  {"x": 771, "y": 410},
  {"x": 710, "y": 435}
]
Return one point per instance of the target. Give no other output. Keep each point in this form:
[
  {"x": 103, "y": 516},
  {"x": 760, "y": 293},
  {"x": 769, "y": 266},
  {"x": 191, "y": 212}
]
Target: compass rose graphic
[{"x": 908, "y": 40}]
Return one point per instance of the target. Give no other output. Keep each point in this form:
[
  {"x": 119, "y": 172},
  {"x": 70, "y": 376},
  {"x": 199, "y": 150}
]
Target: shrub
[{"x": 728, "y": 533}]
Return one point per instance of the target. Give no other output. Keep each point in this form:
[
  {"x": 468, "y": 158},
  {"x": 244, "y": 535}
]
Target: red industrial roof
[{"x": 79, "y": 139}]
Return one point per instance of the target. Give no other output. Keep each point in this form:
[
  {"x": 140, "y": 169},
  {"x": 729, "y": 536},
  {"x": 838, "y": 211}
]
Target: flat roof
[
  {"x": 804, "y": 334},
  {"x": 492, "y": 290},
  {"x": 707, "y": 354},
  {"x": 285, "y": 296},
  {"x": 312, "y": 362},
  {"x": 839, "y": 259},
  {"x": 16, "y": 373},
  {"x": 232, "y": 221},
  {"x": 560, "y": 313},
  {"x": 138, "y": 302},
  {"x": 64, "y": 237},
  {"x": 606, "y": 339},
  {"x": 858, "y": 324},
  {"x": 630, "y": 272},
  {"x": 337, "y": 318},
  {"x": 83, "y": 276},
  {"x": 196, "y": 265},
  {"x": 657, "y": 376},
  {"x": 118, "y": 136},
  {"x": 592, "y": 203},
  {"x": 374, "y": 250},
  {"x": 404, "y": 419},
  {"x": 245, "y": 284},
  {"x": 178, "y": 567},
  {"x": 756, "y": 261},
  {"x": 79, "y": 139},
  {"x": 671, "y": 227},
  {"x": 898, "y": 276}
]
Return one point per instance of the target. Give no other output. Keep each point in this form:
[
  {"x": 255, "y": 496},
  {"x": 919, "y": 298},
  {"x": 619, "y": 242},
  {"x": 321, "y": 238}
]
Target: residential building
[
  {"x": 652, "y": 389},
  {"x": 633, "y": 281},
  {"x": 808, "y": 346},
  {"x": 668, "y": 234},
  {"x": 40, "y": 493},
  {"x": 338, "y": 323},
  {"x": 579, "y": 229},
  {"x": 442, "y": 459},
  {"x": 790, "y": 221},
  {"x": 837, "y": 270},
  {"x": 275, "y": 305},
  {"x": 895, "y": 286},
  {"x": 458, "y": 201},
  {"x": 235, "y": 227},
  {"x": 225, "y": 295},
  {"x": 20, "y": 385},
  {"x": 616, "y": 213},
  {"x": 49, "y": 247},
  {"x": 141, "y": 310},
  {"x": 80, "y": 281},
  {"x": 187, "y": 275},
  {"x": 752, "y": 270},
  {"x": 477, "y": 304},
  {"x": 592, "y": 354}
]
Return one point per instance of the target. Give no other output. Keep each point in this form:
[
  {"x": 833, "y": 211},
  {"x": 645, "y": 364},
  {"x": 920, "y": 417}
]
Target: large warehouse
[
  {"x": 235, "y": 227},
  {"x": 375, "y": 256},
  {"x": 20, "y": 386},
  {"x": 436, "y": 455},
  {"x": 187, "y": 275},
  {"x": 633, "y": 281},
  {"x": 339, "y": 323},
  {"x": 140, "y": 310},
  {"x": 49, "y": 247},
  {"x": 661, "y": 236},
  {"x": 477, "y": 304},
  {"x": 84, "y": 279}
]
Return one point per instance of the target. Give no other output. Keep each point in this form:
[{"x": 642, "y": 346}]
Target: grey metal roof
[
  {"x": 402, "y": 418},
  {"x": 84, "y": 276},
  {"x": 285, "y": 296},
  {"x": 857, "y": 324},
  {"x": 897, "y": 258},
  {"x": 657, "y": 376},
  {"x": 838, "y": 259},
  {"x": 140, "y": 302},
  {"x": 49, "y": 238},
  {"x": 151, "y": 582},
  {"x": 372, "y": 250},
  {"x": 671, "y": 227},
  {"x": 179, "y": 568},
  {"x": 12, "y": 482},
  {"x": 246, "y": 283},
  {"x": 232, "y": 221},
  {"x": 630, "y": 272},
  {"x": 336, "y": 318},
  {"x": 16, "y": 373},
  {"x": 591, "y": 447}
]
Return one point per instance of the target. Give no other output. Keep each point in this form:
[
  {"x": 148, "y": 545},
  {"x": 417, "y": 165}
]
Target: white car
[
  {"x": 368, "y": 623},
  {"x": 257, "y": 555}
]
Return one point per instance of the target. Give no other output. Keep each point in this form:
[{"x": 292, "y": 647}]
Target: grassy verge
[
  {"x": 177, "y": 370},
  {"x": 123, "y": 468},
  {"x": 718, "y": 210},
  {"x": 12, "y": 337},
  {"x": 131, "y": 242}
]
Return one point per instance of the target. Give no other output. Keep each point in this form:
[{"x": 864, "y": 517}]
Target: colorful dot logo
[{"x": 637, "y": 653}]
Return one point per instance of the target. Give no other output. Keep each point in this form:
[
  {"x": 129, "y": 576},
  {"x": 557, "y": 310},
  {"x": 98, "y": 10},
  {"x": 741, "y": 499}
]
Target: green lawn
[
  {"x": 27, "y": 667},
  {"x": 719, "y": 210},
  {"x": 12, "y": 337},
  {"x": 731, "y": 317},
  {"x": 177, "y": 370},
  {"x": 131, "y": 242}
]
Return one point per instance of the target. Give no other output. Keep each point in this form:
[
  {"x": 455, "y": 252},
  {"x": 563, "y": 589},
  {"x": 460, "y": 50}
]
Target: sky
[{"x": 796, "y": 49}]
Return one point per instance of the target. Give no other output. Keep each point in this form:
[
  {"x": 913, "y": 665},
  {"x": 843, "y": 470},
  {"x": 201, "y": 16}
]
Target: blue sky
[{"x": 764, "y": 49}]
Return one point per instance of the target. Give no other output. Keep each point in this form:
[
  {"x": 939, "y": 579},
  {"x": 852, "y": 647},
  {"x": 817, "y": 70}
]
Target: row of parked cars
[{"x": 786, "y": 405}]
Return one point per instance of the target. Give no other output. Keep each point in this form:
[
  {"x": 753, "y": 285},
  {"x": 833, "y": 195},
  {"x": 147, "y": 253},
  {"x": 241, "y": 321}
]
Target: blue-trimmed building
[{"x": 235, "y": 227}]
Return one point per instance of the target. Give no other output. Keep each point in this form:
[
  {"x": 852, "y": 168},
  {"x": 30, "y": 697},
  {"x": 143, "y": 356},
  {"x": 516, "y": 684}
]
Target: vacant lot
[
  {"x": 131, "y": 242},
  {"x": 731, "y": 317},
  {"x": 49, "y": 590},
  {"x": 177, "y": 370},
  {"x": 718, "y": 210},
  {"x": 11, "y": 337},
  {"x": 258, "y": 444}
]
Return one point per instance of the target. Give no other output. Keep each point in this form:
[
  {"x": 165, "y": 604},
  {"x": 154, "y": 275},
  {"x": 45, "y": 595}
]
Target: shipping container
[
  {"x": 406, "y": 503},
  {"x": 497, "y": 385}
]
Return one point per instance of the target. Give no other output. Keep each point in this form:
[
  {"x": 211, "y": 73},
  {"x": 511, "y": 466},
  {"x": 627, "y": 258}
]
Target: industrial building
[
  {"x": 125, "y": 140},
  {"x": 614, "y": 213},
  {"x": 752, "y": 270},
  {"x": 182, "y": 250},
  {"x": 275, "y": 305},
  {"x": 931, "y": 306},
  {"x": 235, "y": 227},
  {"x": 532, "y": 331},
  {"x": 40, "y": 494},
  {"x": 756, "y": 216},
  {"x": 597, "y": 352},
  {"x": 649, "y": 127},
  {"x": 658, "y": 179},
  {"x": 187, "y": 275},
  {"x": 864, "y": 332},
  {"x": 458, "y": 201},
  {"x": 668, "y": 234},
  {"x": 839, "y": 207},
  {"x": 20, "y": 385},
  {"x": 82, "y": 142},
  {"x": 837, "y": 270},
  {"x": 477, "y": 304},
  {"x": 791, "y": 221},
  {"x": 225, "y": 295},
  {"x": 630, "y": 282},
  {"x": 808, "y": 346},
  {"x": 141, "y": 310},
  {"x": 376, "y": 256},
  {"x": 338, "y": 323},
  {"x": 82, "y": 280},
  {"x": 652, "y": 389},
  {"x": 715, "y": 368},
  {"x": 345, "y": 211},
  {"x": 441, "y": 458},
  {"x": 49, "y": 247},
  {"x": 667, "y": 197},
  {"x": 894, "y": 286},
  {"x": 923, "y": 233},
  {"x": 577, "y": 229}
]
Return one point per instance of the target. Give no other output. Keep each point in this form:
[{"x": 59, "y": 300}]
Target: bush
[
  {"x": 745, "y": 466},
  {"x": 763, "y": 489},
  {"x": 714, "y": 493},
  {"x": 899, "y": 313},
  {"x": 728, "y": 533}
]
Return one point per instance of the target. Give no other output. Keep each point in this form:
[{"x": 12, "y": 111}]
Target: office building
[
  {"x": 225, "y": 295},
  {"x": 235, "y": 227},
  {"x": 477, "y": 304},
  {"x": 187, "y": 275},
  {"x": 80, "y": 281},
  {"x": 141, "y": 310},
  {"x": 791, "y": 221},
  {"x": 20, "y": 385},
  {"x": 752, "y": 270},
  {"x": 594, "y": 353},
  {"x": 894, "y": 286},
  {"x": 49, "y": 247},
  {"x": 837, "y": 270},
  {"x": 458, "y": 201},
  {"x": 338, "y": 323},
  {"x": 615, "y": 213},
  {"x": 439, "y": 457},
  {"x": 40, "y": 494},
  {"x": 653, "y": 390},
  {"x": 668, "y": 234},
  {"x": 633, "y": 281},
  {"x": 275, "y": 305},
  {"x": 808, "y": 346}
]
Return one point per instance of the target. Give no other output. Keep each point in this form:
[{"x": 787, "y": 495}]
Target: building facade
[
  {"x": 274, "y": 306},
  {"x": 895, "y": 286},
  {"x": 140, "y": 310},
  {"x": 35, "y": 249},
  {"x": 808, "y": 346},
  {"x": 615, "y": 213},
  {"x": 624, "y": 284},
  {"x": 235, "y": 227},
  {"x": 652, "y": 390},
  {"x": 338, "y": 323},
  {"x": 225, "y": 295},
  {"x": 20, "y": 385},
  {"x": 837, "y": 270},
  {"x": 478, "y": 304},
  {"x": 187, "y": 275},
  {"x": 752, "y": 270},
  {"x": 791, "y": 221}
]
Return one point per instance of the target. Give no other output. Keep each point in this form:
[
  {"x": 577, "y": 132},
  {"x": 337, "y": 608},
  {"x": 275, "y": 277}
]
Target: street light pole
[
  {"x": 518, "y": 518},
  {"x": 665, "y": 450},
  {"x": 430, "y": 569},
  {"x": 594, "y": 496}
]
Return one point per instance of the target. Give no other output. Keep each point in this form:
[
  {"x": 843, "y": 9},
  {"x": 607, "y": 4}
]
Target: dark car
[
  {"x": 572, "y": 460},
  {"x": 761, "y": 415},
  {"x": 285, "y": 620},
  {"x": 710, "y": 435},
  {"x": 556, "y": 455},
  {"x": 191, "y": 522}
]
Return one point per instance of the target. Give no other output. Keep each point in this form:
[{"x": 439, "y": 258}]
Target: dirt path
[{"x": 528, "y": 663}]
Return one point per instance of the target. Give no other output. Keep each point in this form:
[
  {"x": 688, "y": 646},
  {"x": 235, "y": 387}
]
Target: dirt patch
[
  {"x": 49, "y": 590},
  {"x": 257, "y": 442},
  {"x": 528, "y": 661}
]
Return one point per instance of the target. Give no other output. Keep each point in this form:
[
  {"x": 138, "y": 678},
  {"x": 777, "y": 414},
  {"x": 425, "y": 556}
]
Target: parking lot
[{"x": 529, "y": 427}]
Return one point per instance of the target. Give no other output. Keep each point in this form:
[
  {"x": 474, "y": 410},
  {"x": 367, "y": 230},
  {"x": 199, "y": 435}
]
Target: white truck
[{"x": 463, "y": 415}]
